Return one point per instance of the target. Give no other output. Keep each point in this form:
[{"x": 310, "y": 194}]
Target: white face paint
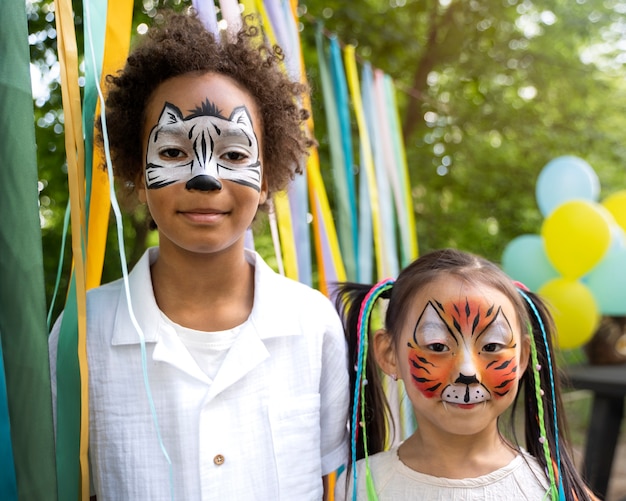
[{"x": 202, "y": 149}]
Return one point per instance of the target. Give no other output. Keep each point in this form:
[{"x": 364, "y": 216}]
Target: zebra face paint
[
  {"x": 202, "y": 149},
  {"x": 464, "y": 351}
]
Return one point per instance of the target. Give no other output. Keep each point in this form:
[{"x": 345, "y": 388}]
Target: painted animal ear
[
  {"x": 170, "y": 115},
  {"x": 241, "y": 117}
]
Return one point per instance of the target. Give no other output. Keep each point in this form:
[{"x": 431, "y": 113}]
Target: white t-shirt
[
  {"x": 520, "y": 480},
  {"x": 268, "y": 426}
]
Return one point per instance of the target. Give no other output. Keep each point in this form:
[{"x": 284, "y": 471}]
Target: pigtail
[
  {"x": 368, "y": 403},
  {"x": 545, "y": 426}
]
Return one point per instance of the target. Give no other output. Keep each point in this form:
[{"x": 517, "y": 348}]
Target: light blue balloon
[
  {"x": 565, "y": 178},
  {"x": 607, "y": 283},
  {"x": 524, "y": 259}
]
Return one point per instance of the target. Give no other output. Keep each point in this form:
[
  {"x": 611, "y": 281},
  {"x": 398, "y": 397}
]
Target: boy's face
[{"x": 203, "y": 175}]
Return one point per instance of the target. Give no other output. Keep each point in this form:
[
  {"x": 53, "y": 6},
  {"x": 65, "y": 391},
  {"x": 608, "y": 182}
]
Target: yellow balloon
[
  {"x": 574, "y": 309},
  {"x": 616, "y": 205},
  {"x": 576, "y": 236}
]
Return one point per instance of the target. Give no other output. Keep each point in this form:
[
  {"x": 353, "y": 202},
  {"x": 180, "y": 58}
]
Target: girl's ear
[
  {"x": 385, "y": 352},
  {"x": 525, "y": 353}
]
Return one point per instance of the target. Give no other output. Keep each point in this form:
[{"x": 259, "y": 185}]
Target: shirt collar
[{"x": 271, "y": 316}]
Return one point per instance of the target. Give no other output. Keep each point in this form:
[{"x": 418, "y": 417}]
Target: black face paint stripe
[
  {"x": 504, "y": 365},
  {"x": 419, "y": 367},
  {"x": 505, "y": 383}
]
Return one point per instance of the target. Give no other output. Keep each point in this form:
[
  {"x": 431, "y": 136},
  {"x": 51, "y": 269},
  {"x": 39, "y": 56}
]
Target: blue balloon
[
  {"x": 524, "y": 259},
  {"x": 565, "y": 178},
  {"x": 607, "y": 283}
]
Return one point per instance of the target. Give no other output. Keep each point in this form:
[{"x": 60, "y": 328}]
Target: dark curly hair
[{"x": 181, "y": 45}]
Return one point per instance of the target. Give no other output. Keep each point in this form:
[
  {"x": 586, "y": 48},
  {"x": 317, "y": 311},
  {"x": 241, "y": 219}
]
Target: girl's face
[
  {"x": 460, "y": 354},
  {"x": 203, "y": 176}
]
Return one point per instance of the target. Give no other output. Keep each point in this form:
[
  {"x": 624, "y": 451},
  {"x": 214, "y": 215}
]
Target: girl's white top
[{"x": 521, "y": 479}]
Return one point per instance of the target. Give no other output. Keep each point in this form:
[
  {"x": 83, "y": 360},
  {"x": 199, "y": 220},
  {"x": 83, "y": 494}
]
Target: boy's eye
[
  {"x": 172, "y": 153},
  {"x": 234, "y": 156},
  {"x": 438, "y": 347}
]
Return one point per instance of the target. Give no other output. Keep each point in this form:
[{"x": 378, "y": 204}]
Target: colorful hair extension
[
  {"x": 362, "y": 347},
  {"x": 557, "y": 493}
]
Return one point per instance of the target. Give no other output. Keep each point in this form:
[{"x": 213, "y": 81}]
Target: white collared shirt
[{"x": 269, "y": 425}]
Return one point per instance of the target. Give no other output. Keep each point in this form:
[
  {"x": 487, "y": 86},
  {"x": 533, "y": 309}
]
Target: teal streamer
[
  {"x": 344, "y": 203},
  {"x": 342, "y": 104},
  {"x": 399, "y": 162},
  {"x": 366, "y": 232},
  {"x": 93, "y": 70},
  {"x": 66, "y": 225},
  {"x": 8, "y": 482}
]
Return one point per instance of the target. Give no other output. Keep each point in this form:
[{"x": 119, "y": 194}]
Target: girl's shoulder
[{"x": 521, "y": 479}]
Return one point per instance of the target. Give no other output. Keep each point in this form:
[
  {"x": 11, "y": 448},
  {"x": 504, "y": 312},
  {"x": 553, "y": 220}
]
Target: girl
[
  {"x": 467, "y": 342},
  {"x": 246, "y": 370}
]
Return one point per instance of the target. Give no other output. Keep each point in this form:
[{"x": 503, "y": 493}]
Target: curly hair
[{"x": 181, "y": 45}]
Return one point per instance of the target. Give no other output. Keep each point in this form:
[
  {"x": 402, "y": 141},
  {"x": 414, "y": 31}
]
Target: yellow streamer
[
  {"x": 408, "y": 196},
  {"x": 281, "y": 200},
  {"x": 321, "y": 208},
  {"x": 318, "y": 197},
  {"x": 117, "y": 43},
  {"x": 355, "y": 92},
  {"x": 68, "y": 61}
]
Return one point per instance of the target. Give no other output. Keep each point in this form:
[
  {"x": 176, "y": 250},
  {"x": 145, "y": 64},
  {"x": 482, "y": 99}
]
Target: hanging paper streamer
[
  {"x": 231, "y": 14},
  {"x": 406, "y": 214},
  {"x": 385, "y": 202},
  {"x": 366, "y": 159},
  {"x": 8, "y": 483},
  {"x": 207, "y": 14},
  {"x": 114, "y": 49},
  {"x": 345, "y": 200},
  {"x": 72, "y": 410},
  {"x": 329, "y": 259}
]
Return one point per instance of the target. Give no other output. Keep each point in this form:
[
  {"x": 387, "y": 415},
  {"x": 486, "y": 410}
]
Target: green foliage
[
  {"x": 489, "y": 90},
  {"x": 492, "y": 90}
]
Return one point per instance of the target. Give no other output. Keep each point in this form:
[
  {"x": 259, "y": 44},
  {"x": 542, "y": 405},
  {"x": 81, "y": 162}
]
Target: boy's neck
[{"x": 204, "y": 292}]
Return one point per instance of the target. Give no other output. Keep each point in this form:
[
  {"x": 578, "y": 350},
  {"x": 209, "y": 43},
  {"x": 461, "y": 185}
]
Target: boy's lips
[{"x": 203, "y": 215}]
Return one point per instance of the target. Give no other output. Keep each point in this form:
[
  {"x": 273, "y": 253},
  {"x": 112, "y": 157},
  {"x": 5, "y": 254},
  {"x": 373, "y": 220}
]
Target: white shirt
[
  {"x": 520, "y": 480},
  {"x": 269, "y": 425}
]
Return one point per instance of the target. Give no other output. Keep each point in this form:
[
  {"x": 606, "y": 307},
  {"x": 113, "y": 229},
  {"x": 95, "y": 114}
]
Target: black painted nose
[
  {"x": 203, "y": 183},
  {"x": 463, "y": 379}
]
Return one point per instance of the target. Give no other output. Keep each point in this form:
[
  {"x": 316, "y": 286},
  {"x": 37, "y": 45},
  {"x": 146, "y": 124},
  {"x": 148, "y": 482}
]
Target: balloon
[
  {"x": 607, "y": 283},
  {"x": 616, "y": 205},
  {"x": 524, "y": 259},
  {"x": 565, "y": 178},
  {"x": 576, "y": 236},
  {"x": 574, "y": 310}
]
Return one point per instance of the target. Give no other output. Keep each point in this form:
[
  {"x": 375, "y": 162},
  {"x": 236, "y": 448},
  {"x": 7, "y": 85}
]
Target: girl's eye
[
  {"x": 438, "y": 347},
  {"x": 491, "y": 347},
  {"x": 172, "y": 153}
]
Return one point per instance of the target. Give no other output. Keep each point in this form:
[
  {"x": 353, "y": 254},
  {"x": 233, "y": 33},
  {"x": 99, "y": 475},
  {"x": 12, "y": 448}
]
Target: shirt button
[{"x": 218, "y": 460}]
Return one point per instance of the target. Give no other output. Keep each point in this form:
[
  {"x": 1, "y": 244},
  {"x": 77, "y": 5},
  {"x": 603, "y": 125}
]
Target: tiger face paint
[
  {"x": 464, "y": 351},
  {"x": 202, "y": 149}
]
